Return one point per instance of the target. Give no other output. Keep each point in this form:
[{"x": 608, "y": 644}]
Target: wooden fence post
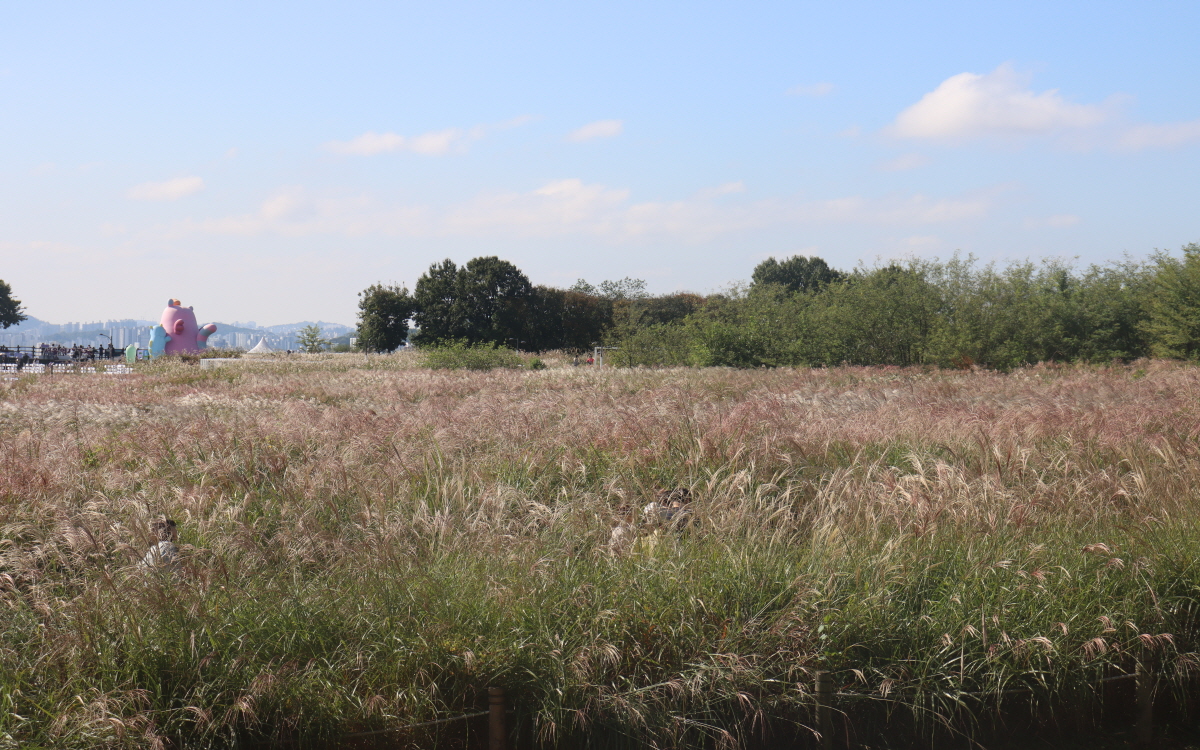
[
  {"x": 824, "y": 710},
  {"x": 497, "y": 729},
  {"x": 1144, "y": 729}
]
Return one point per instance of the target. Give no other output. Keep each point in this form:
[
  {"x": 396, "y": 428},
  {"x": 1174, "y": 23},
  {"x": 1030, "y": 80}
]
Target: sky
[{"x": 269, "y": 161}]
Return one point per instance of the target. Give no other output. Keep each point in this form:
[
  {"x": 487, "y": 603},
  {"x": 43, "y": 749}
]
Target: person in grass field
[
  {"x": 164, "y": 554},
  {"x": 668, "y": 510}
]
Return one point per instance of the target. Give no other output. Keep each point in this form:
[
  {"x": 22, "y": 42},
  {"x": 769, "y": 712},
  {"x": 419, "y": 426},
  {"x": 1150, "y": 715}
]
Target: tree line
[
  {"x": 801, "y": 312},
  {"x": 490, "y": 301}
]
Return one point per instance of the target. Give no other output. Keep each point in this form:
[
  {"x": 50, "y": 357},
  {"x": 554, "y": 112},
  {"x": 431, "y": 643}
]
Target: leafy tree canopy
[
  {"x": 570, "y": 319},
  {"x": 498, "y": 298},
  {"x": 625, "y": 288},
  {"x": 11, "y": 311},
  {"x": 383, "y": 315},
  {"x": 1173, "y": 324},
  {"x": 486, "y": 301},
  {"x": 797, "y": 273}
]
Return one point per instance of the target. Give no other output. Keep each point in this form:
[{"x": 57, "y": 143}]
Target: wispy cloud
[
  {"x": 813, "y": 89},
  {"x": 922, "y": 241},
  {"x": 433, "y": 143},
  {"x": 903, "y": 163},
  {"x": 1057, "y": 221},
  {"x": 572, "y": 207},
  {"x": 1168, "y": 135},
  {"x": 1000, "y": 103},
  {"x": 168, "y": 190},
  {"x": 598, "y": 129},
  {"x": 729, "y": 188},
  {"x": 296, "y": 212}
]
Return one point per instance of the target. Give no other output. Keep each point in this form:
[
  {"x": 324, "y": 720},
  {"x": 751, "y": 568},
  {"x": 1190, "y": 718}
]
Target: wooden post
[
  {"x": 1144, "y": 729},
  {"x": 497, "y": 731},
  {"x": 824, "y": 711}
]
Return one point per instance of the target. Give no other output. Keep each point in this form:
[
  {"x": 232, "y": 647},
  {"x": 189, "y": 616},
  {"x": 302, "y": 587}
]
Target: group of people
[{"x": 45, "y": 353}]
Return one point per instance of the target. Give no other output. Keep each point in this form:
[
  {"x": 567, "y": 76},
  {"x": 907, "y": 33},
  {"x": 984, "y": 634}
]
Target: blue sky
[{"x": 269, "y": 161}]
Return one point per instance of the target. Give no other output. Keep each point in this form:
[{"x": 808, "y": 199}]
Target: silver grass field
[{"x": 368, "y": 543}]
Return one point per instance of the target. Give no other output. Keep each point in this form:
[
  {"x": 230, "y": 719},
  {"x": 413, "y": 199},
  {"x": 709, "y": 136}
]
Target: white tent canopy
[{"x": 261, "y": 347}]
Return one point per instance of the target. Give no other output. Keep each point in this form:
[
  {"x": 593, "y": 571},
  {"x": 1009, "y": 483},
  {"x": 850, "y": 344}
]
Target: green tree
[
  {"x": 756, "y": 327},
  {"x": 796, "y": 274},
  {"x": 567, "y": 319},
  {"x": 383, "y": 315},
  {"x": 497, "y": 300},
  {"x": 486, "y": 301},
  {"x": 11, "y": 311},
  {"x": 883, "y": 316},
  {"x": 1112, "y": 302},
  {"x": 626, "y": 288},
  {"x": 310, "y": 340},
  {"x": 438, "y": 305},
  {"x": 1173, "y": 301}
]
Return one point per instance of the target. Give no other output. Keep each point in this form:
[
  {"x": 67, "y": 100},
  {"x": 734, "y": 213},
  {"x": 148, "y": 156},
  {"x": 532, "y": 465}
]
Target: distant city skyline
[
  {"x": 268, "y": 163},
  {"x": 122, "y": 333}
]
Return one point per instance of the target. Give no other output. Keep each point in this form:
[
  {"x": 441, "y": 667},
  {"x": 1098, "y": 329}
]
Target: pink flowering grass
[{"x": 369, "y": 543}]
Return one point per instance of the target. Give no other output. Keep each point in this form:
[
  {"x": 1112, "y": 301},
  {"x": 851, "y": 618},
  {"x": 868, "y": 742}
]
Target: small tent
[{"x": 261, "y": 347}]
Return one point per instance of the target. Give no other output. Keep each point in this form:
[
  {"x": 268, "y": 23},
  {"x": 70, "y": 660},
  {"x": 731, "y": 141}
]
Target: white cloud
[
  {"x": 922, "y": 241},
  {"x": 169, "y": 190},
  {"x": 729, "y": 188},
  {"x": 815, "y": 89},
  {"x": 599, "y": 129},
  {"x": 1167, "y": 135},
  {"x": 368, "y": 144},
  {"x": 433, "y": 143},
  {"x": 571, "y": 207},
  {"x": 904, "y": 210},
  {"x": 556, "y": 208},
  {"x": 1062, "y": 220},
  {"x": 1057, "y": 221},
  {"x": 902, "y": 163},
  {"x": 970, "y": 105},
  {"x": 294, "y": 212}
]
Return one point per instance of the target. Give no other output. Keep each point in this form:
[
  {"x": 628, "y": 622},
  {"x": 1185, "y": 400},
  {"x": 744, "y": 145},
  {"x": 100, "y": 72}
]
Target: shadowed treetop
[
  {"x": 797, "y": 273},
  {"x": 11, "y": 312}
]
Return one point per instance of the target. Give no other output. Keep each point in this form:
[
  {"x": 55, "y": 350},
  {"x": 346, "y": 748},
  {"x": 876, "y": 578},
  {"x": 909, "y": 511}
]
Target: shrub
[{"x": 459, "y": 355}]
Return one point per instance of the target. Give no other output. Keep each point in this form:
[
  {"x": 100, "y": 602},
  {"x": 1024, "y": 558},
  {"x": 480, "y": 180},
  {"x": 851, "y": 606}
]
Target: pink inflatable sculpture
[{"x": 177, "y": 332}]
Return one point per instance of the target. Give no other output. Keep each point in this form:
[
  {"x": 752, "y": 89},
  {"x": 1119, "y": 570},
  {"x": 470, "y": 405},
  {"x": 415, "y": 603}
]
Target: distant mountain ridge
[{"x": 328, "y": 329}]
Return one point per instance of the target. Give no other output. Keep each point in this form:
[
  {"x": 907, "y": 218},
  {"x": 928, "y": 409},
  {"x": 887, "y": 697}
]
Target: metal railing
[{"x": 56, "y": 354}]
